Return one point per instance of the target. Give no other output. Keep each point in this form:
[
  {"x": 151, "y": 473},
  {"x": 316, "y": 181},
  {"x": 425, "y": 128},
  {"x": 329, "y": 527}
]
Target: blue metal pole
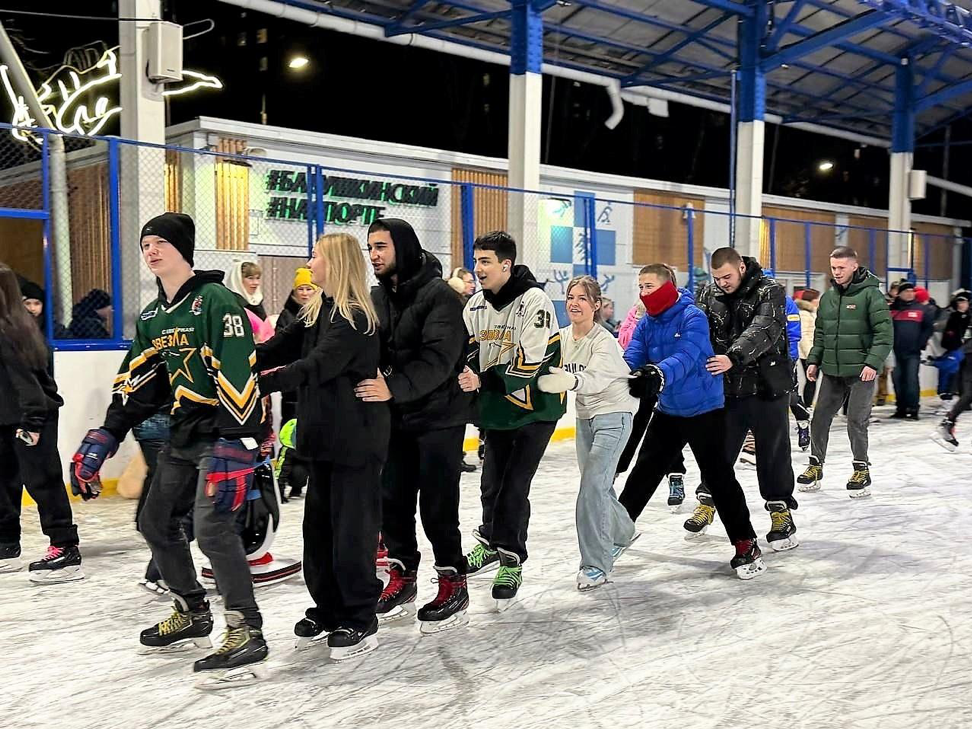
[
  {"x": 592, "y": 235},
  {"x": 311, "y": 213},
  {"x": 319, "y": 192},
  {"x": 117, "y": 316},
  {"x": 48, "y": 268},
  {"x": 690, "y": 221},
  {"x": 468, "y": 222},
  {"x": 807, "y": 252},
  {"x": 732, "y": 160}
]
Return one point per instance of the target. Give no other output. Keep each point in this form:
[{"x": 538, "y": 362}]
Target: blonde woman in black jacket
[
  {"x": 28, "y": 444},
  {"x": 331, "y": 347}
]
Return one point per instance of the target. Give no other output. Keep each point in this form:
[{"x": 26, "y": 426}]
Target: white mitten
[{"x": 557, "y": 381}]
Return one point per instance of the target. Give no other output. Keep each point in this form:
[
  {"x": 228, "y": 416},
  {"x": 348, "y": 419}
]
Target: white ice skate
[
  {"x": 431, "y": 627},
  {"x": 751, "y": 570},
  {"x": 944, "y": 435},
  {"x": 158, "y": 589},
  {"x": 232, "y": 677},
  {"x": 617, "y": 550},
  {"x": 590, "y": 578}
]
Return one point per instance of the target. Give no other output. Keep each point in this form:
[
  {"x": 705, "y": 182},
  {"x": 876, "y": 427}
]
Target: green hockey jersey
[
  {"x": 513, "y": 339},
  {"x": 197, "y": 352}
]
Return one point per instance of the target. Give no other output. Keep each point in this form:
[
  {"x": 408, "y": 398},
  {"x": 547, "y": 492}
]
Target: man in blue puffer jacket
[{"x": 674, "y": 337}]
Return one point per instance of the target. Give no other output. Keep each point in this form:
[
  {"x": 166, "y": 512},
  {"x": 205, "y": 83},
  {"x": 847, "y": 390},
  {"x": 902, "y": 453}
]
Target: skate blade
[
  {"x": 303, "y": 643},
  {"x": 367, "y": 645},
  {"x": 675, "y": 508},
  {"x": 503, "y": 604},
  {"x": 11, "y": 565},
  {"x": 809, "y": 487},
  {"x": 860, "y": 493},
  {"x": 431, "y": 627},
  {"x": 54, "y": 577},
  {"x": 590, "y": 586},
  {"x": 153, "y": 588},
  {"x": 695, "y": 536},
  {"x": 944, "y": 444},
  {"x": 233, "y": 677},
  {"x": 783, "y": 545},
  {"x": 399, "y": 612},
  {"x": 749, "y": 571},
  {"x": 183, "y": 646}
]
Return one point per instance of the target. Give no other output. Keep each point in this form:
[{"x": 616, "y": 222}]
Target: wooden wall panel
[
  {"x": 22, "y": 247},
  {"x": 860, "y": 241},
  {"x": 489, "y": 206},
  {"x": 661, "y": 235},
  {"x": 173, "y": 181},
  {"x": 232, "y": 199},
  {"x": 938, "y": 241},
  {"x": 790, "y": 238},
  {"x": 90, "y": 232}
]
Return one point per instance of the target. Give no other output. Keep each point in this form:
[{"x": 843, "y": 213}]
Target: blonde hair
[
  {"x": 593, "y": 290},
  {"x": 346, "y": 278},
  {"x": 248, "y": 268}
]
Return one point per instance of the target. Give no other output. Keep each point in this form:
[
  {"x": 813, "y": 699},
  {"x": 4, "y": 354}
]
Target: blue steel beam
[
  {"x": 824, "y": 39},
  {"x": 423, "y": 26},
  {"x": 951, "y": 21},
  {"x": 727, "y": 6},
  {"x": 940, "y": 97},
  {"x": 410, "y": 11},
  {"x": 927, "y": 81},
  {"x": 781, "y": 28},
  {"x": 691, "y": 38}
]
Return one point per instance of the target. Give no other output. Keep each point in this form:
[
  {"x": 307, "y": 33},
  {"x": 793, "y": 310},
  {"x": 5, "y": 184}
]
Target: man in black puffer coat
[
  {"x": 747, "y": 324},
  {"x": 423, "y": 341}
]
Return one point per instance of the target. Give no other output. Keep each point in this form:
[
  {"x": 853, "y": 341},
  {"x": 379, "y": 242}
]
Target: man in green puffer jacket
[{"x": 852, "y": 339}]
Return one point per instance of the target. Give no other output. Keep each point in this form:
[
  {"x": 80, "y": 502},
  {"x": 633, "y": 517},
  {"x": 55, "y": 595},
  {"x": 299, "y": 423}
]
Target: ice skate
[
  {"x": 481, "y": 559},
  {"x": 944, "y": 435},
  {"x": 309, "y": 633},
  {"x": 810, "y": 479},
  {"x": 381, "y": 557},
  {"x": 184, "y": 630},
  {"x": 238, "y": 661},
  {"x": 590, "y": 578},
  {"x": 155, "y": 588},
  {"x": 748, "y": 562},
  {"x": 397, "y": 600},
  {"x": 859, "y": 485},
  {"x": 60, "y": 564},
  {"x": 676, "y": 491},
  {"x": 782, "y": 533},
  {"x": 448, "y": 609},
  {"x": 346, "y": 643},
  {"x": 748, "y": 456},
  {"x": 618, "y": 549},
  {"x": 803, "y": 434},
  {"x": 10, "y": 558},
  {"x": 507, "y": 581},
  {"x": 697, "y": 524}
]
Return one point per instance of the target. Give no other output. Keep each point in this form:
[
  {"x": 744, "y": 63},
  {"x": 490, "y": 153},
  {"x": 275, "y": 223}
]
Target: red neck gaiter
[{"x": 661, "y": 299}]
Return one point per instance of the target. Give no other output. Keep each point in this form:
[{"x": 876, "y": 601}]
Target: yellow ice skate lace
[
  {"x": 174, "y": 623},
  {"x": 704, "y": 514},
  {"x": 233, "y": 638},
  {"x": 860, "y": 475},
  {"x": 779, "y": 520}
]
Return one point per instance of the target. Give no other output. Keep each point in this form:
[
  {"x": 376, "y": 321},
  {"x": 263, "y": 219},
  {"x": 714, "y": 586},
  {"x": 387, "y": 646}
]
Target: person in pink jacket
[{"x": 626, "y": 330}]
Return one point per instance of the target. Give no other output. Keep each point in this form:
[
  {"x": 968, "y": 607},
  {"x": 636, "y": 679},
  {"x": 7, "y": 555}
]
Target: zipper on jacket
[{"x": 840, "y": 305}]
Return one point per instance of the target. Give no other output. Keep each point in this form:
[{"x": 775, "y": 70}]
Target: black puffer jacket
[
  {"x": 323, "y": 363},
  {"x": 29, "y": 395},
  {"x": 423, "y": 338},
  {"x": 746, "y": 325},
  {"x": 958, "y": 332},
  {"x": 288, "y": 316}
]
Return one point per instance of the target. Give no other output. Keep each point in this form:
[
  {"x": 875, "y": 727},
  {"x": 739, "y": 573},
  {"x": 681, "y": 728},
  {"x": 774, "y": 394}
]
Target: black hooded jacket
[
  {"x": 746, "y": 325},
  {"x": 85, "y": 322},
  {"x": 29, "y": 394},
  {"x": 423, "y": 338}
]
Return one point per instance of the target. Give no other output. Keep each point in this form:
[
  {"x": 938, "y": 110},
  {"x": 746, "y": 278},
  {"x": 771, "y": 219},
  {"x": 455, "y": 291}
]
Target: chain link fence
[{"x": 90, "y": 203}]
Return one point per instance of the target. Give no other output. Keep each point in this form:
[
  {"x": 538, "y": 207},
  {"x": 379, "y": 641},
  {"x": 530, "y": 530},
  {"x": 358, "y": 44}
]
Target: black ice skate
[
  {"x": 184, "y": 629},
  {"x": 859, "y": 484},
  {"x": 481, "y": 559},
  {"x": 676, "y": 491},
  {"x": 397, "y": 600},
  {"x": 10, "y": 558},
  {"x": 944, "y": 435},
  {"x": 348, "y": 642},
  {"x": 448, "y": 609},
  {"x": 237, "y": 662},
  {"x": 810, "y": 479},
  {"x": 508, "y": 579},
  {"x": 309, "y": 632},
  {"x": 748, "y": 456},
  {"x": 748, "y": 561},
  {"x": 782, "y": 533},
  {"x": 60, "y": 564},
  {"x": 803, "y": 434},
  {"x": 703, "y": 517}
]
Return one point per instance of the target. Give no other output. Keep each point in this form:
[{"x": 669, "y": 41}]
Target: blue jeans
[{"x": 602, "y": 522}]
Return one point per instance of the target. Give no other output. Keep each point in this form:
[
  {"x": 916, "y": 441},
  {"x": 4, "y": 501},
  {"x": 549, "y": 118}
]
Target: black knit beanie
[{"x": 177, "y": 228}]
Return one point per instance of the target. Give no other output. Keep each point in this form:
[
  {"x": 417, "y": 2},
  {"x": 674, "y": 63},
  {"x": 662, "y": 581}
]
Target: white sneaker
[{"x": 589, "y": 578}]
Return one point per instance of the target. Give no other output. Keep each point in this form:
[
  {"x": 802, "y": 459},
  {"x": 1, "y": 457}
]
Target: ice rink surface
[{"x": 867, "y": 625}]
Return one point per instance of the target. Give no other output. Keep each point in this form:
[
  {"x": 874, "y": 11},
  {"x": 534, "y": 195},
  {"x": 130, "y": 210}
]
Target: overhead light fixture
[
  {"x": 298, "y": 62},
  {"x": 825, "y": 166}
]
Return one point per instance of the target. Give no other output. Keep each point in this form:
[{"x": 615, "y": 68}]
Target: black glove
[
  {"x": 268, "y": 382},
  {"x": 646, "y": 381}
]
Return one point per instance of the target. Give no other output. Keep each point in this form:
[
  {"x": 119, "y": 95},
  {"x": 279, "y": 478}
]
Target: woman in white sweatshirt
[{"x": 595, "y": 369}]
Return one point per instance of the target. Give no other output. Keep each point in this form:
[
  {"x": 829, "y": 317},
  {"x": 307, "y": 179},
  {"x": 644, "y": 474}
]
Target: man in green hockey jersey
[
  {"x": 193, "y": 345},
  {"x": 514, "y": 338}
]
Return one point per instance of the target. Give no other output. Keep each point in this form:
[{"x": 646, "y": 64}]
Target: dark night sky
[{"x": 376, "y": 90}]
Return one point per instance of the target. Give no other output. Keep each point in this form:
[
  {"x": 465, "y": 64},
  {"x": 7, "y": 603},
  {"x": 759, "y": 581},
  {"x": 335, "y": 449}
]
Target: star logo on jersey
[
  {"x": 184, "y": 354},
  {"x": 505, "y": 347}
]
